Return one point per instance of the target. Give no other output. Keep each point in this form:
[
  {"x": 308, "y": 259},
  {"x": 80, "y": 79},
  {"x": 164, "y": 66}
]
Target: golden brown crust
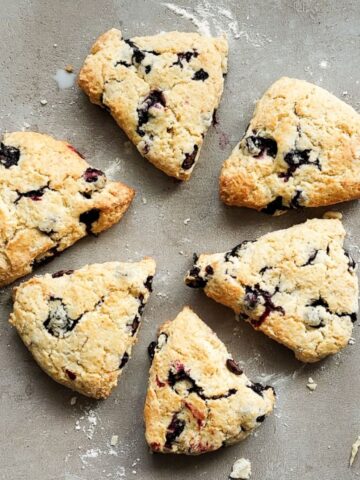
[
  {"x": 298, "y": 286},
  {"x": 80, "y": 325},
  {"x": 314, "y": 161},
  {"x": 50, "y": 197},
  {"x": 161, "y": 90}
]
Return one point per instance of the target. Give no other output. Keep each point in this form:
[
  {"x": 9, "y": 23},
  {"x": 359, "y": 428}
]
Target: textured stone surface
[{"x": 35, "y": 412}]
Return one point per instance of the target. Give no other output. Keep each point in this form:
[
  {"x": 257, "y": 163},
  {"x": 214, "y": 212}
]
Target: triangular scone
[
  {"x": 198, "y": 398},
  {"x": 80, "y": 325},
  {"x": 50, "y": 197},
  {"x": 298, "y": 286},
  {"x": 161, "y": 90},
  {"x": 301, "y": 149}
]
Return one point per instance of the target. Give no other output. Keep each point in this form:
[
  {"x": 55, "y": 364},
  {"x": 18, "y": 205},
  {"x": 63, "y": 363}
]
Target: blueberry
[
  {"x": 185, "y": 57},
  {"x": 275, "y": 206},
  {"x": 190, "y": 158},
  {"x": 155, "y": 97},
  {"x": 294, "y": 202},
  {"x": 260, "y": 419},
  {"x": 200, "y": 75},
  {"x": 260, "y": 146},
  {"x": 134, "y": 325},
  {"x": 295, "y": 159},
  {"x": 233, "y": 367},
  {"x": 151, "y": 349},
  {"x": 259, "y": 389},
  {"x": 255, "y": 296},
  {"x": 90, "y": 217},
  {"x": 236, "y": 250},
  {"x": 124, "y": 360},
  {"x": 215, "y": 120},
  {"x": 70, "y": 374},
  {"x": 9, "y": 156},
  {"x": 351, "y": 262},
  {"x": 311, "y": 258},
  {"x": 148, "y": 283},
  {"x": 60, "y": 273},
  {"x": 58, "y": 322},
  {"x": 148, "y": 69},
  {"x": 209, "y": 270},
  {"x": 174, "y": 430},
  {"x": 194, "y": 280},
  {"x": 34, "y": 195},
  {"x": 123, "y": 63},
  {"x": 91, "y": 175}
]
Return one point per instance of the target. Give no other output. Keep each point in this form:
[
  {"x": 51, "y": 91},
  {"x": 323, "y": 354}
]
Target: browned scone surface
[
  {"x": 162, "y": 90},
  {"x": 80, "y": 325},
  {"x": 50, "y": 197},
  {"x": 301, "y": 149},
  {"x": 198, "y": 398}
]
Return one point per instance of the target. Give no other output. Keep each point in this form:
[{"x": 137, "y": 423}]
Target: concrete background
[{"x": 43, "y": 436}]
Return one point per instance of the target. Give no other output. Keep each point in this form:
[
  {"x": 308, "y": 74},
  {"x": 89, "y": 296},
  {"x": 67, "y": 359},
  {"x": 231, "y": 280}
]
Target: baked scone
[
  {"x": 301, "y": 149},
  {"x": 198, "y": 398},
  {"x": 50, "y": 197},
  {"x": 298, "y": 286},
  {"x": 80, "y": 325},
  {"x": 162, "y": 91}
]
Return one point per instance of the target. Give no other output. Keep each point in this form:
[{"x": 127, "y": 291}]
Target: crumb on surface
[
  {"x": 241, "y": 469},
  {"x": 354, "y": 450},
  {"x": 186, "y": 221},
  {"x": 73, "y": 400},
  {"x": 69, "y": 68},
  {"x": 114, "y": 440},
  {"x": 43, "y": 101},
  {"x": 333, "y": 215},
  {"x": 311, "y": 385}
]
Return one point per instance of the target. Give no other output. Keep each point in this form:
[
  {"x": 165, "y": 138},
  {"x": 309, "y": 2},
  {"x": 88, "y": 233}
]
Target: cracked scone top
[
  {"x": 162, "y": 90},
  {"x": 301, "y": 149},
  {"x": 198, "y": 398},
  {"x": 50, "y": 197},
  {"x": 298, "y": 286},
  {"x": 80, "y": 325}
]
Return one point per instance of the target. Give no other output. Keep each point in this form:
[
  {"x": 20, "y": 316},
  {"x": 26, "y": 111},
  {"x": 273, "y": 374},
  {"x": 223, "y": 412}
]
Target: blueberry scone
[
  {"x": 161, "y": 90},
  {"x": 198, "y": 398},
  {"x": 301, "y": 149},
  {"x": 298, "y": 286},
  {"x": 49, "y": 198},
  {"x": 80, "y": 325}
]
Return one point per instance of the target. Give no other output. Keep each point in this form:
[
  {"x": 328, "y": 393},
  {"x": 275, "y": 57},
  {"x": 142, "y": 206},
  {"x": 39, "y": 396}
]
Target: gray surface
[{"x": 310, "y": 436}]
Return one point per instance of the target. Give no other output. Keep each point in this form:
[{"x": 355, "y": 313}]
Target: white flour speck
[
  {"x": 64, "y": 79},
  {"x": 113, "y": 169},
  {"x": 323, "y": 64}
]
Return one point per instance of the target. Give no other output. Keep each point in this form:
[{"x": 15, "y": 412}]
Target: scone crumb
[
  {"x": 354, "y": 450},
  {"x": 241, "y": 469},
  {"x": 73, "y": 400},
  {"x": 352, "y": 341},
  {"x": 69, "y": 68},
  {"x": 311, "y": 385},
  {"x": 114, "y": 440},
  {"x": 43, "y": 101},
  {"x": 333, "y": 215},
  {"x": 186, "y": 221}
]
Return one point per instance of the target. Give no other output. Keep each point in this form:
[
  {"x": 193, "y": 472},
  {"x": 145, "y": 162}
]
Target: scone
[
  {"x": 80, "y": 325},
  {"x": 301, "y": 149},
  {"x": 50, "y": 197},
  {"x": 198, "y": 398},
  {"x": 161, "y": 90},
  {"x": 298, "y": 286}
]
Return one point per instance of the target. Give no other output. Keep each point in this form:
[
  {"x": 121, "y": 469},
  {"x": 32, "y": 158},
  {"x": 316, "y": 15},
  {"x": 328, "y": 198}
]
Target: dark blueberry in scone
[
  {"x": 77, "y": 320},
  {"x": 35, "y": 195},
  {"x": 124, "y": 360},
  {"x": 9, "y": 156},
  {"x": 91, "y": 175},
  {"x": 58, "y": 322},
  {"x": 174, "y": 430},
  {"x": 295, "y": 285},
  {"x": 234, "y": 252},
  {"x": 90, "y": 217},
  {"x": 258, "y": 146},
  {"x": 196, "y": 401},
  {"x": 296, "y": 159},
  {"x": 73, "y": 149},
  {"x": 148, "y": 283},
  {"x": 200, "y": 75},
  {"x": 275, "y": 206},
  {"x": 259, "y": 388},
  {"x": 155, "y": 98},
  {"x": 61, "y": 273},
  {"x": 190, "y": 159},
  {"x": 185, "y": 57}
]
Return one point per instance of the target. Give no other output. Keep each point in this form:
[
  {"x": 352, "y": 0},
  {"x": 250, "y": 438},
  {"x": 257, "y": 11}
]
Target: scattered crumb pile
[
  {"x": 241, "y": 469},
  {"x": 311, "y": 385}
]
